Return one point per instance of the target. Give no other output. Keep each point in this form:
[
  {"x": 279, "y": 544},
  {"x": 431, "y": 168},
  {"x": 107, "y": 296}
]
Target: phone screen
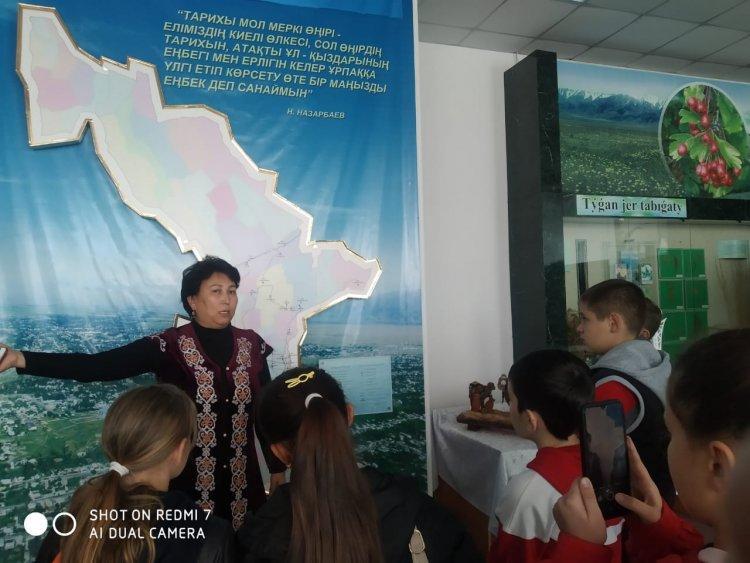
[{"x": 605, "y": 454}]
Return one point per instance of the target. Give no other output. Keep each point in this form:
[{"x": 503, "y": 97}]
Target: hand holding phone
[
  {"x": 646, "y": 501},
  {"x": 578, "y": 514},
  {"x": 604, "y": 454}
]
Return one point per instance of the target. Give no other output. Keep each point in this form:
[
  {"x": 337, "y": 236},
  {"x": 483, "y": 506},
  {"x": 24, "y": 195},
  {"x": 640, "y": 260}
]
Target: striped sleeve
[
  {"x": 527, "y": 529},
  {"x": 526, "y": 525}
]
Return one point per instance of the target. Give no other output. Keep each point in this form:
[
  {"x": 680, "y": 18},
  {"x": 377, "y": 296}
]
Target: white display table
[{"x": 477, "y": 464}]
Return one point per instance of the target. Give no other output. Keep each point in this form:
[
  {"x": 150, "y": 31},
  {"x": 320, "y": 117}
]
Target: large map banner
[{"x": 279, "y": 135}]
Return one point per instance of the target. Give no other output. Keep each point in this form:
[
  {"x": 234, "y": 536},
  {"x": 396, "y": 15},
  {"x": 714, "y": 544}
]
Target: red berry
[
  {"x": 692, "y": 102},
  {"x": 737, "y": 171},
  {"x": 682, "y": 149},
  {"x": 706, "y": 138},
  {"x": 714, "y": 148},
  {"x": 693, "y": 129},
  {"x": 701, "y": 107}
]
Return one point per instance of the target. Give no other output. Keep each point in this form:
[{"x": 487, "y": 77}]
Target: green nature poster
[{"x": 639, "y": 133}]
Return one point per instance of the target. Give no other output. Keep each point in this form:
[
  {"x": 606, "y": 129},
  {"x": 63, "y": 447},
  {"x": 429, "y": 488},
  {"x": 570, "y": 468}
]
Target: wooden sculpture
[{"x": 483, "y": 413}]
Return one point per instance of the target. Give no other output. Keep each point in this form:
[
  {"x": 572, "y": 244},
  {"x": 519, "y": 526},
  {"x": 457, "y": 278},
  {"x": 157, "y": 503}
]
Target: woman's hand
[
  {"x": 11, "y": 359},
  {"x": 578, "y": 514},
  {"x": 646, "y": 501},
  {"x": 276, "y": 480}
]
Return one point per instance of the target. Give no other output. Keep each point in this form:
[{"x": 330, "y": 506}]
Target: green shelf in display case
[
  {"x": 696, "y": 324},
  {"x": 671, "y": 263},
  {"x": 696, "y": 294},
  {"x": 695, "y": 262},
  {"x": 675, "y": 327},
  {"x": 674, "y": 349},
  {"x": 671, "y": 294}
]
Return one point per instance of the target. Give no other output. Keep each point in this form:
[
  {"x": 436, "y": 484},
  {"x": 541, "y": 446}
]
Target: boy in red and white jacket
[{"x": 546, "y": 390}]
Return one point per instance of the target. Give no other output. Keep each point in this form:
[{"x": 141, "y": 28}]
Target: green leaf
[
  {"x": 730, "y": 118},
  {"x": 692, "y": 144},
  {"x": 730, "y": 154},
  {"x": 687, "y": 116},
  {"x": 696, "y": 91},
  {"x": 681, "y": 137},
  {"x": 699, "y": 151}
]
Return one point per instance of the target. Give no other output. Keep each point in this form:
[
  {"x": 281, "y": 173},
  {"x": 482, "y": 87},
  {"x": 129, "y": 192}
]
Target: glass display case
[{"x": 697, "y": 272}]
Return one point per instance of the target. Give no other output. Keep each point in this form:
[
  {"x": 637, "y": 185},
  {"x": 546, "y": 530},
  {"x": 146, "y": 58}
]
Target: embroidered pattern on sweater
[
  {"x": 241, "y": 399},
  {"x": 205, "y": 396},
  {"x": 160, "y": 340}
]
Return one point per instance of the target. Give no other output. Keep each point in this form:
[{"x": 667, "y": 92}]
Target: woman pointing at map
[{"x": 221, "y": 367}]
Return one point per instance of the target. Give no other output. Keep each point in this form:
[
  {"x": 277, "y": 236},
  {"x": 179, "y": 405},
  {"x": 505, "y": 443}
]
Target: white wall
[{"x": 466, "y": 317}]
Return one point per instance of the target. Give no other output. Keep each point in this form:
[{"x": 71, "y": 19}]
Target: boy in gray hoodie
[{"x": 629, "y": 370}]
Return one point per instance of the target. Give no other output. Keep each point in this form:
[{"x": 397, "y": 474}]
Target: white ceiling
[{"x": 698, "y": 37}]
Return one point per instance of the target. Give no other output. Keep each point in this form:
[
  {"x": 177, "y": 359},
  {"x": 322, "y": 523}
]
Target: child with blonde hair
[{"x": 147, "y": 436}]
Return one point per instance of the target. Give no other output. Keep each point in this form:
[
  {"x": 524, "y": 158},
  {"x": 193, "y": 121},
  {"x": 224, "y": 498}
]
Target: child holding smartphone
[
  {"x": 546, "y": 391},
  {"x": 707, "y": 415}
]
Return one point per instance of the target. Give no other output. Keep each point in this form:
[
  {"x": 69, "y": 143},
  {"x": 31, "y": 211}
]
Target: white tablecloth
[{"x": 478, "y": 465}]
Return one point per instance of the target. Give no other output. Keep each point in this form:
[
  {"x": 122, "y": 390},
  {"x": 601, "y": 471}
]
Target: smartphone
[{"x": 604, "y": 454}]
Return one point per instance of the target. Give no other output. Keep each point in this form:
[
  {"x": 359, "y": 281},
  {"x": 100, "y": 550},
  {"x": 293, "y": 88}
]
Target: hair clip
[
  {"x": 310, "y": 397},
  {"x": 304, "y": 378},
  {"x": 118, "y": 468}
]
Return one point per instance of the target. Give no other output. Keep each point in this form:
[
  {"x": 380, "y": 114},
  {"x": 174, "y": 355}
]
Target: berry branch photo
[{"x": 705, "y": 143}]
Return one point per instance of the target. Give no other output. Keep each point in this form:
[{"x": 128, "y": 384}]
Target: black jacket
[
  {"x": 650, "y": 436},
  {"x": 217, "y": 547},
  {"x": 401, "y": 506}
]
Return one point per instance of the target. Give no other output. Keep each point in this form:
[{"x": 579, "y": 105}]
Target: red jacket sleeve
[
  {"x": 570, "y": 549},
  {"x": 670, "y": 540},
  {"x": 617, "y": 391},
  {"x": 664, "y": 540},
  {"x": 508, "y": 548}
]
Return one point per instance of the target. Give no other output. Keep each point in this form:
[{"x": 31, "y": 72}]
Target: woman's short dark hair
[
  {"x": 555, "y": 384},
  {"x": 194, "y": 275},
  {"x": 709, "y": 389}
]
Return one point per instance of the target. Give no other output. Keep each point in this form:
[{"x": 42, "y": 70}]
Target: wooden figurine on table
[
  {"x": 483, "y": 413},
  {"x": 480, "y": 397}
]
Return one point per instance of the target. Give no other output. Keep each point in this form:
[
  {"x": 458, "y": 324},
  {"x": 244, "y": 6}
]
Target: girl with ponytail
[
  {"x": 147, "y": 436},
  {"x": 331, "y": 511}
]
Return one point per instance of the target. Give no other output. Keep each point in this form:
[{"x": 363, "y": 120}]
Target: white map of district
[{"x": 182, "y": 166}]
